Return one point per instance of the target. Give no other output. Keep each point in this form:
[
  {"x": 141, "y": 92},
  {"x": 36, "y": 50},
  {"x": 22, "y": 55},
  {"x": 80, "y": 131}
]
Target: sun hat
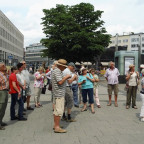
[
  {"x": 62, "y": 62},
  {"x": 82, "y": 69}
]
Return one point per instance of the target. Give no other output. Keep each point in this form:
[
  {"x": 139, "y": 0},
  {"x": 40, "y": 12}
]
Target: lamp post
[
  {"x": 116, "y": 49},
  {"x": 139, "y": 53}
]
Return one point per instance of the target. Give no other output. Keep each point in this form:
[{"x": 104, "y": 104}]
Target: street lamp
[
  {"x": 139, "y": 53},
  {"x": 116, "y": 49}
]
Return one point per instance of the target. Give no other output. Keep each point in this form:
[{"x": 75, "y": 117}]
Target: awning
[
  {"x": 83, "y": 63},
  {"x": 104, "y": 63}
]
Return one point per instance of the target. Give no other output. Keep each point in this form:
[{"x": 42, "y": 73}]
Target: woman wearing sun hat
[
  {"x": 132, "y": 78},
  {"x": 86, "y": 81}
]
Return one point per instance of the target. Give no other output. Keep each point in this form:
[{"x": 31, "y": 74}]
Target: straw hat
[{"x": 62, "y": 62}]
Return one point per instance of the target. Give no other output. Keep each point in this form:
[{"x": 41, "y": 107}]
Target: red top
[
  {"x": 47, "y": 71},
  {"x": 13, "y": 78}
]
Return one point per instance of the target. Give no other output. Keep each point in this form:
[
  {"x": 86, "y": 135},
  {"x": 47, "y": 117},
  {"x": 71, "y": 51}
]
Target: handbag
[
  {"x": 50, "y": 87},
  {"x": 126, "y": 87}
]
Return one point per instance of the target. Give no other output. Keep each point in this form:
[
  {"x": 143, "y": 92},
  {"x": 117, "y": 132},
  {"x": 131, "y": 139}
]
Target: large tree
[{"x": 75, "y": 33}]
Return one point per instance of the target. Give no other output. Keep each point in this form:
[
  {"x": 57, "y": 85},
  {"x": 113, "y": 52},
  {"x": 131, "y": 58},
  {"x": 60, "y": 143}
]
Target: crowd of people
[{"x": 64, "y": 81}]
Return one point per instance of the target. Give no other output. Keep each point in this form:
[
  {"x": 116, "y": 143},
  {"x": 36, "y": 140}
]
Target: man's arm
[
  {"x": 15, "y": 87},
  {"x": 64, "y": 79},
  {"x": 72, "y": 79}
]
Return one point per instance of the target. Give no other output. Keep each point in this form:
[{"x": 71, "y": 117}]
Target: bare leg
[
  {"x": 109, "y": 104},
  {"x": 28, "y": 101}
]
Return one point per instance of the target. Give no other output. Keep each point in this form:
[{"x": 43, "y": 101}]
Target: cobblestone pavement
[{"x": 109, "y": 125}]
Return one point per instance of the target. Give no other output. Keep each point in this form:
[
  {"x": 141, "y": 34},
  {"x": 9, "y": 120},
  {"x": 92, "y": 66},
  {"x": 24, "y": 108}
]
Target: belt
[
  {"x": 68, "y": 86},
  {"x": 4, "y": 90}
]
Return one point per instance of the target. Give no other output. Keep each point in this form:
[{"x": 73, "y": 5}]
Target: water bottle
[{"x": 23, "y": 92}]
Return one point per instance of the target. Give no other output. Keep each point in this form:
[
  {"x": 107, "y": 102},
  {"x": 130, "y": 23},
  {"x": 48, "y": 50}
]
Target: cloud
[{"x": 119, "y": 16}]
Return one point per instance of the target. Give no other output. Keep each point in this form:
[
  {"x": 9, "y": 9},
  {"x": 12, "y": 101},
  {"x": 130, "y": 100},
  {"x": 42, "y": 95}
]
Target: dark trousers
[
  {"x": 75, "y": 93},
  {"x": 88, "y": 92},
  {"x": 3, "y": 104},
  {"x": 131, "y": 94},
  {"x": 14, "y": 99}
]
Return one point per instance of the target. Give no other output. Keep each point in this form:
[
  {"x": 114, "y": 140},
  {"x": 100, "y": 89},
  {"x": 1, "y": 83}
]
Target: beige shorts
[
  {"x": 113, "y": 88},
  {"x": 28, "y": 91},
  {"x": 59, "y": 106}
]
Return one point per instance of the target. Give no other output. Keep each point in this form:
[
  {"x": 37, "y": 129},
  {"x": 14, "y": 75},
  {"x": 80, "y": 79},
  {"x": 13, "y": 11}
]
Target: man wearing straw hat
[{"x": 58, "y": 88}]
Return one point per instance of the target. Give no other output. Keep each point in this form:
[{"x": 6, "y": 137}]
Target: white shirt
[
  {"x": 75, "y": 81},
  {"x": 133, "y": 80},
  {"x": 20, "y": 78},
  {"x": 26, "y": 75},
  {"x": 66, "y": 72}
]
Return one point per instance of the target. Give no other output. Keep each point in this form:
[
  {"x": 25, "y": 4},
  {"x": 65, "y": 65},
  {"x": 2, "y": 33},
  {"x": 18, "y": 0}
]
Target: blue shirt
[{"x": 88, "y": 84}]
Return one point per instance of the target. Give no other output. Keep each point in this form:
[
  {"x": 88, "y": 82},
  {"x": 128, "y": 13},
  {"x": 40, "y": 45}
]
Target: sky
[{"x": 119, "y": 15}]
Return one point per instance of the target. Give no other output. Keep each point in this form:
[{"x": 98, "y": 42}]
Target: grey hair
[{"x": 109, "y": 64}]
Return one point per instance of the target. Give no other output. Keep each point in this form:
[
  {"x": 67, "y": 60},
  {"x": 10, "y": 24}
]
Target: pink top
[{"x": 40, "y": 82}]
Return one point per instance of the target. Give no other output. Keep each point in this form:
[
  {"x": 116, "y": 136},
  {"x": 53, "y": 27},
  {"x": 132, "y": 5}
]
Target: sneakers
[
  {"x": 2, "y": 128},
  {"x": 77, "y": 106},
  {"x": 30, "y": 108},
  {"x": 15, "y": 118},
  {"x": 60, "y": 130},
  {"x": 22, "y": 119},
  {"x": 4, "y": 124},
  {"x": 71, "y": 120},
  {"x": 64, "y": 119}
]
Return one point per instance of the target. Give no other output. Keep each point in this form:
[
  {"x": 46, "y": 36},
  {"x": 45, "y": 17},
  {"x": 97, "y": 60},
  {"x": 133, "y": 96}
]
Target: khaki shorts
[
  {"x": 68, "y": 98},
  {"x": 113, "y": 88},
  {"x": 28, "y": 91},
  {"x": 59, "y": 106}
]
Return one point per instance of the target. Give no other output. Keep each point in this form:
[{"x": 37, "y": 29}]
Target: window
[
  {"x": 119, "y": 41},
  {"x": 125, "y": 40},
  {"x": 142, "y": 45},
  {"x": 142, "y": 38},
  {"x": 134, "y": 39}
]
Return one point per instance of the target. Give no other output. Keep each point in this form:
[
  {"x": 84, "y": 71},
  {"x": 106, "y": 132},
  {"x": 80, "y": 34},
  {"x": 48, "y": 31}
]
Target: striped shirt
[
  {"x": 58, "y": 90},
  {"x": 3, "y": 81}
]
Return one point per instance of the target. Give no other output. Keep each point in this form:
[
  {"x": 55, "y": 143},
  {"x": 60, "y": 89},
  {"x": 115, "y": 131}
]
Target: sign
[
  {"x": 10, "y": 57},
  {"x": 128, "y": 61}
]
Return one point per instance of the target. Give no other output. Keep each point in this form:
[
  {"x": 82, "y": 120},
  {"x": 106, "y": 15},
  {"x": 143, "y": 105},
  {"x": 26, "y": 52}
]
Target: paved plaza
[{"x": 109, "y": 125}]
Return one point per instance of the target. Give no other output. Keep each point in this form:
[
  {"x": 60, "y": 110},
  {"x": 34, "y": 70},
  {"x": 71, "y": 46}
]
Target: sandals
[
  {"x": 93, "y": 112},
  {"x": 109, "y": 104},
  {"x": 84, "y": 110},
  {"x": 116, "y": 105},
  {"x": 60, "y": 130}
]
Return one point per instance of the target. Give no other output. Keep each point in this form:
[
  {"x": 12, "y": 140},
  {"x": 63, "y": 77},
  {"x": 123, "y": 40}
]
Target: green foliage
[{"x": 74, "y": 33}]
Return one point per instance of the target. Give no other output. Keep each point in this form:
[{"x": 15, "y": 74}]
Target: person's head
[
  {"x": 71, "y": 66},
  {"x": 24, "y": 64},
  {"x": 40, "y": 70},
  {"x": 54, "y": 64},
  {"x": 62, "y": 64},
  {"x": 2, "y": 67},
  {"x": 111, "y": 65},
  {"x": 20, "y": 67},
  {"x": 92, "y": 71},
  {"x": 14, "y": 69},
  {"x": 131, "y": 67},
  {"x": 84, "y": 71},
  {"x": 142, "y": 72}
]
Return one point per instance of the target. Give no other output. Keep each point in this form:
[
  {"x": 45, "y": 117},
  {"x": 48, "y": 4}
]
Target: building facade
[
  {"x": 33, "y": 56},
  {"x": 11, "y": 42},
  {"x": 131, "y": 41}
]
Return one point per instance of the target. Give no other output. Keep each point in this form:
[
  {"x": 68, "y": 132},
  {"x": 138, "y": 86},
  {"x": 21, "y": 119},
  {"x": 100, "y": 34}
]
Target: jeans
[
  {"x": 14, "y": 99},
  {"x": 88, "y": 92},
  {"x": 75, "y": 93}
]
